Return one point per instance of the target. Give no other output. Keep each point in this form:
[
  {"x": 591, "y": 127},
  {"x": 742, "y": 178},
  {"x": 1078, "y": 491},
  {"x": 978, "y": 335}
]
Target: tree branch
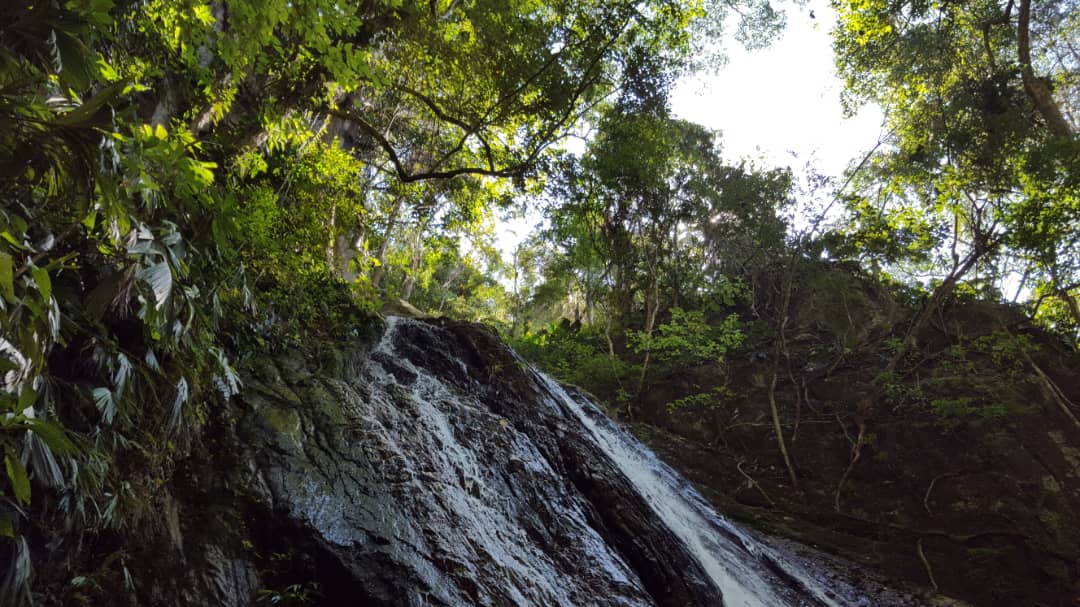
[
  {"x": 405, "y": 176},
  {"x": 544, "y": 138}
]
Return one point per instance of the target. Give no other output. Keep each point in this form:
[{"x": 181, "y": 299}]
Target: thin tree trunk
[
  {"x": 613, "y": 359},
  {"x": 1049, "y": 386},
  {"x": 940, "y": 294},
  {"x": 380, "y": 270},
  {"x": 1037, "y": 88},
  {"x": 407, "y": 288},
  {"x": 780, "y": 350},
  {"x": 652, "y": 306},
  {"x": 1063, "y": 292},
  {"x": 780, "y": 432},
  {"x": 1074, "y": 308},
  {"x": 332, "y": 241}
]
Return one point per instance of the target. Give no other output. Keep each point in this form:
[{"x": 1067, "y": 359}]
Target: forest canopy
[{"x": 186, "y": 182}]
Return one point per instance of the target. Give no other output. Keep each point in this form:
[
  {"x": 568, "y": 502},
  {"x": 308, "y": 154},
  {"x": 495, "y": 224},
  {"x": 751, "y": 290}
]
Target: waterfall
[
  {"x": 489, "y": 520},
  {"x": 734, "y": 561},
  {"x": 439, "y": 469}
]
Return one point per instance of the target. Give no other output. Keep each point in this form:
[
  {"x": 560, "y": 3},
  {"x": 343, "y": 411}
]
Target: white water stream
[
  {"x": 747, "y": 572},
  {"x": 732, "y": 559}
]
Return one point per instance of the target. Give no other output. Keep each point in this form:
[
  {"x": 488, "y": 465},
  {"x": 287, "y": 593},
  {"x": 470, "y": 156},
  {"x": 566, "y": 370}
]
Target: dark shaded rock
[
  {"x": 426, "y": 495},
  {"x": 433, "y": 467}
]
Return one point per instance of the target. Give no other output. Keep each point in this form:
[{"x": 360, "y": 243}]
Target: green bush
[
  {"x": 702, "y": 400},
  {"x": 952, "y": 412},
  {"x": 578, "y": 357},
  {"x": 979, "y": 381},
  {"x": 688, "y": 339}
]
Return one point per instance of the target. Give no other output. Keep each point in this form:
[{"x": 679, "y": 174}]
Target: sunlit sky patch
[
  {"x": 779, "y": 107},
  {"x": 781, "y": 100}
]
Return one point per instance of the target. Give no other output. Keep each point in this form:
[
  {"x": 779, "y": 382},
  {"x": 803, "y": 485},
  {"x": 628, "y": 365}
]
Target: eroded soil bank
[{"x": 967, "y": 473}]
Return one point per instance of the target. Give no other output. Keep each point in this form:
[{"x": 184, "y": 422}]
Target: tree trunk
[
  {"x": 380, "y": 270},
  {"x": 1037, "y": 88},
  {"x": 1074, "y": 307},
  {"x": 944, "y": 290},
  {"x": 331, "y": 258},
  {"x": 652, "y": 307},
  {"x": 407, "y": 288}
]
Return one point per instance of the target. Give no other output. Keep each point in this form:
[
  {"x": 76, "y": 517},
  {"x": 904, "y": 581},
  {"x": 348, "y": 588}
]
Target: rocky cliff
[{"x": 430, "y": 466}]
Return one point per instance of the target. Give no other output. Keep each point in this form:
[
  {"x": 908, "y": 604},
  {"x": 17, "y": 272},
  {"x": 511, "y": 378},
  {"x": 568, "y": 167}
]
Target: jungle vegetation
[{"x": 185, "y": 182}]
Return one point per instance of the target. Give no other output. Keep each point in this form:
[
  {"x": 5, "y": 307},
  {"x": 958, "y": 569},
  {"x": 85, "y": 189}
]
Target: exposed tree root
[
  {"x": 780, "y": 433},
  {"x": 754, "y": 484},
  {"x": 926, "y": 563},
  {"x": 930, "y": 489},
  {"x": 856, "y": 453}
]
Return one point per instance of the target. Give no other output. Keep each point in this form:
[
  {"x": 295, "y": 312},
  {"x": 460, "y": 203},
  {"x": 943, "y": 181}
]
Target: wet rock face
[
  {"x": 432, "y": 467},
  {"x": 431, "y": 471}
]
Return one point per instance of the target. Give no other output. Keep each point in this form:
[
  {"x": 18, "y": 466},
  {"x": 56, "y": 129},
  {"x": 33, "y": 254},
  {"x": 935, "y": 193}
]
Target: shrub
[
  {"x": 688, "y": 339},
  {"x": 578, "y": 357}
]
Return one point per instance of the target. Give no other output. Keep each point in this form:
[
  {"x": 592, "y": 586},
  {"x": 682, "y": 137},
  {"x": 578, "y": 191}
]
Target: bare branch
[{"x": 406, "y": 176}]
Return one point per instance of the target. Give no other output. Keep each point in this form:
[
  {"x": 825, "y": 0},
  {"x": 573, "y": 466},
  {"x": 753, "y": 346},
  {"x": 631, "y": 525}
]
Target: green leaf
[
  {"x": 27, "y": 398},
  {"x": 152, "y": 361},
  {"x": 7, "y": 527},
  {"x": 20, "y": 482},
  {"x": 6, "y": 364},
  {"x": 7, "y": 278},
  {"x": 178, "y": 403},
  {"x": 160, "y": 280},
  {"x": 7, "y": 235},
  {"x": 101, "y": 297},
  {"x": 51, "y": 434},
  {"x": 75, "y": 68},
  {"x": 106, "y": 72},
  {"x": 44, "y": 283},
  {"x": 20, "y": 226},
  {"x": 106, "y": 404},
  {"x": 91, "y": 106},
  {"x": 123, "y": 371}
]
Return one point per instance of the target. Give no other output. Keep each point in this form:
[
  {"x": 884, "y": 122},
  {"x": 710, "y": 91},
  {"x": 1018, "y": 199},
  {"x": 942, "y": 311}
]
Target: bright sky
[
  {"x": 768, "y": 104},
  {"x": 784, "y": 98}
]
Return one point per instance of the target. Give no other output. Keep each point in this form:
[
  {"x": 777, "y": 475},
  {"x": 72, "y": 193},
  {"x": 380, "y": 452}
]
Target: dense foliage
[
  {"x": 972, "y": 194},
  {"x": 978, "y": 181},
  {"x": 184, "y": 182}
]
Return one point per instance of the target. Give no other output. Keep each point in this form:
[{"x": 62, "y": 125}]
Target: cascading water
[
  {"x": 460, "y": 477},
  {"x": 438, "y": 469},
  {"x": 734, "y": 561}
]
